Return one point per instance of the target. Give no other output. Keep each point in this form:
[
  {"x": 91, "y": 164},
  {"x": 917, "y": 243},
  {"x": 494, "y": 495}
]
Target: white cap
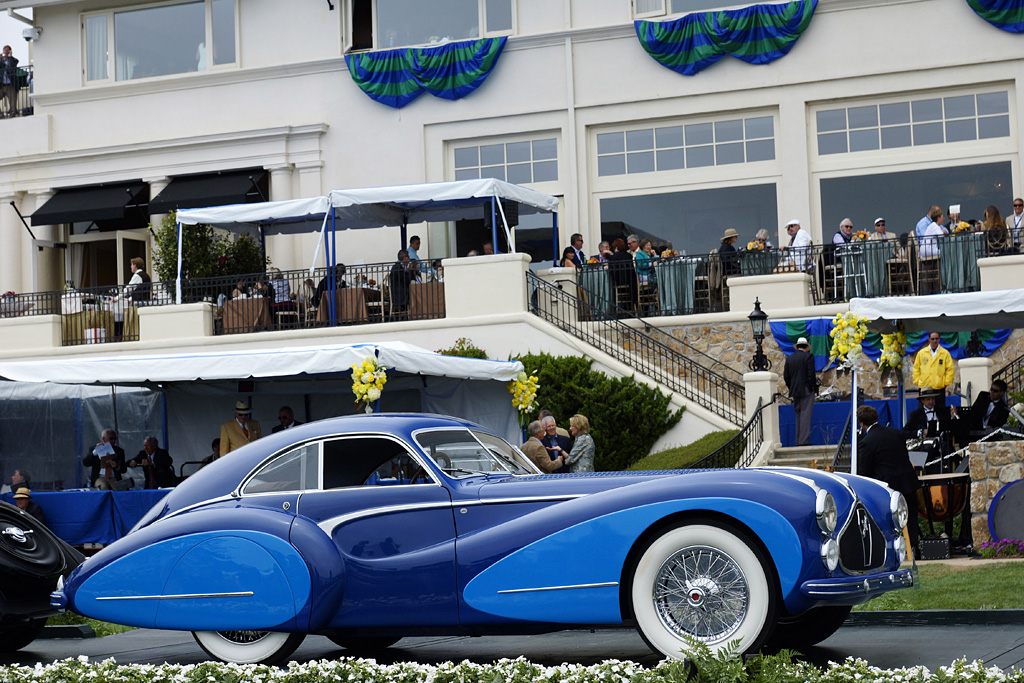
[
  {"x": 802, "y": 341},
  {"x": 879, "y": 220},
  {"x": 795, "y": 221}
]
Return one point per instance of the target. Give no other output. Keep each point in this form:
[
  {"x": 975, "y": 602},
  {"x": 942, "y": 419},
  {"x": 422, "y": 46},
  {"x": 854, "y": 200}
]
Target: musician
[
  {"x": 929, "y": 420},
  {"x": 990, "y": 410},
  {"x": 882, "y": 454}
]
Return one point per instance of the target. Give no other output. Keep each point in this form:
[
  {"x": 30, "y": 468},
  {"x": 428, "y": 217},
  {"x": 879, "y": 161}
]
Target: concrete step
[{"x": 803, "y": 456}]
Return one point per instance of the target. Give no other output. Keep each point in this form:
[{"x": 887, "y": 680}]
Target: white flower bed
[{"x": 777, "y": 668}]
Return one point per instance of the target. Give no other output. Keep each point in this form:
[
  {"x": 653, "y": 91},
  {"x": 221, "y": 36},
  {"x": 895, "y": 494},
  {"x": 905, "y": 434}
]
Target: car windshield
[{"x": 460, "y": 453}]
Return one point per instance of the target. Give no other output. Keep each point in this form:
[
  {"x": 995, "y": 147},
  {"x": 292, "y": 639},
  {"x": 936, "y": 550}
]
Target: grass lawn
[
  {"x": 682, "y": 457},
  {"x": 984, "y": 584},
  {"x": 101, "y": 628}
]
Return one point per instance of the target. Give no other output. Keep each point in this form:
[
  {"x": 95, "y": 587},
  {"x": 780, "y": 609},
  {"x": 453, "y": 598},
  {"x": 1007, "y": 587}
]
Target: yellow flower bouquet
[
  {"x": 524, "y": 396},
  {"x": 368, "y": 380},
  {"x": 848, "y": 331},
  {"x": 962, "y": 226},
  {"x": 755, "y": 245},
  {"x": 860, "y": 236},
  {"x": 894, "y": 347}
]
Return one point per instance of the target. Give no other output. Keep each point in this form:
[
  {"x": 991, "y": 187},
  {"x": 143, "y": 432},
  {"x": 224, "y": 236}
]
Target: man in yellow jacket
[
  {"x": 933, "y": 366},
  {"x": 236, "y": 433}
]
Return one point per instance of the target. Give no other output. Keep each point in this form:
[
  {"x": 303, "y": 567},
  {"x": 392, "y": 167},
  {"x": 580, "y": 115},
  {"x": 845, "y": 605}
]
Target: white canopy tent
[
  {"x": 376, "y": 207},
  {"x": 964, "y": 312}
]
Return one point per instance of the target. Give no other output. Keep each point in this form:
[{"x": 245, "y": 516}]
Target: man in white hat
[
  {"x": 803, "y": 385},
  {"x": 880, "y": 232},
  {"x": 799, "y": 248},
  {"x": 236, "y": 433}
]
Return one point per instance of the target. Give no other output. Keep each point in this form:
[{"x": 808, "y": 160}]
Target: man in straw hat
[
  {"x": 803, "y": 386},
  {"x": 236, "y": 433},
  {"x": 23, "y": 499}
]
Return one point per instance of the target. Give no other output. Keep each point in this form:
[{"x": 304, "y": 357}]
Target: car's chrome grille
[{"x": 861, "y": 545}]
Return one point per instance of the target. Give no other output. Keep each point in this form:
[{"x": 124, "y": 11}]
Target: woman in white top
[{"x": 930, "y": 240}]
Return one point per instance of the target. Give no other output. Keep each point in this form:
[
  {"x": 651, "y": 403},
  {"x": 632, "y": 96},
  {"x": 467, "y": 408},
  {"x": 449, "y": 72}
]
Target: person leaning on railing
[{"x": 9, "y": 81}]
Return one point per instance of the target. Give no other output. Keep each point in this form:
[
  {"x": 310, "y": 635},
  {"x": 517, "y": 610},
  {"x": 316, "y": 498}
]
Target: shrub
[
  {"x": 681, "y": 457},
  {"x": 206, "y": 253},
  {"x": 1003, "y": 548},
  {"x": 626, "y": 417},
  {"x": 464, "y": 348}
]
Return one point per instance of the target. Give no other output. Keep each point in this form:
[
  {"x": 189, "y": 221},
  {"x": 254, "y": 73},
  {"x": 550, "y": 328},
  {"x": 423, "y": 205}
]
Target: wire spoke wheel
[{"x": 701, "y": 591}]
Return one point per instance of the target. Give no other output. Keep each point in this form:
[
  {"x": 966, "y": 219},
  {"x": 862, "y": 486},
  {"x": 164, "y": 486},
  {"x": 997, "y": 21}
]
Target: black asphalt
[{"x": 887, "y": 640}]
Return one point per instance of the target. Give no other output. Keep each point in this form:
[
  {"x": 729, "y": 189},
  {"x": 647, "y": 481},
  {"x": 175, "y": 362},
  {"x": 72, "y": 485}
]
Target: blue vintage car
[{"x": 369, "y": 528}]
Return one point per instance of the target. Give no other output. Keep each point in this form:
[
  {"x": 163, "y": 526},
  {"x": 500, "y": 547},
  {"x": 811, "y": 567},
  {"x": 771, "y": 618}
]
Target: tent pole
[
  {"x": 332, "y": 257},
  {"x": 853, "y": 423},
  {"x": 163, "y": 419},
  {"x": 113, "y": 404},
  {"x": 404, "y": 238},
  {"x": 494, "y": 227},
  {"x": 177, "y": 288},
  {"x": 554, "y": 237}
]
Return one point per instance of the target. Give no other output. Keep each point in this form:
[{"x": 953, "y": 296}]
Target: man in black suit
[
  {"x": 882, "y": 454},
  {"x": 286, "y": 416},
  {"x": 578, "y": 257},
  {"x": 556, "y": 444},
  {"x": 928, "y": 420},
  {"x": 990, "y": 410},
  {"x": 803, "y": 385}
]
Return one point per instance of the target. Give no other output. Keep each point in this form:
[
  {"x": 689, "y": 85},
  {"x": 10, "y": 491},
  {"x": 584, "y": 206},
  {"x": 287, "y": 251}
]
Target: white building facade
[{"x": 881, "y": 108}]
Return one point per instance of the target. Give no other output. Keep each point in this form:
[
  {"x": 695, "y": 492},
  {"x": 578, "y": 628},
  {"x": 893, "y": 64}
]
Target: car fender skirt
[
  {"x": 572, "y": 575},
  {"x": 217, "y": 581}
]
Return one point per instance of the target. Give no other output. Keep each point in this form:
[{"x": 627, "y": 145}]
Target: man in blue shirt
[{"x": 923, "y": 224}]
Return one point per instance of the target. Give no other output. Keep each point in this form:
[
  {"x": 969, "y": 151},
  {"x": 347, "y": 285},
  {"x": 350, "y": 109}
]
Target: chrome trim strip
[
  {"x": 524, "y": 499},
  {"x": 329, "y": 525},
  {"x": 560, "y": 588},
  {"x": 184, "y": 596}
]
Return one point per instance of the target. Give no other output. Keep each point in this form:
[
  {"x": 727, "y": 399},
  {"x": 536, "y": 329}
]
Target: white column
[
  {"x": 47, "y": 266},
  {"x": 763, "y": 385},
  {"x": 564, "y": 278},
  {"x": 283, "y": 248},
  {"x": 977, "y": 372},
  {"x": 310, "y": 185},
  {"x": 13, "y": 238},
  {"x": 156, "y": 185}
]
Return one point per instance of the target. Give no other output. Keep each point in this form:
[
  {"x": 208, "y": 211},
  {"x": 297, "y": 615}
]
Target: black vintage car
[{"x": 32, "y": 559}]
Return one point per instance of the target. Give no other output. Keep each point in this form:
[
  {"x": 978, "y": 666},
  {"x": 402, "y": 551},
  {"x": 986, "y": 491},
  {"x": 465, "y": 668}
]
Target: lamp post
[{"x": 758, "y": 320}]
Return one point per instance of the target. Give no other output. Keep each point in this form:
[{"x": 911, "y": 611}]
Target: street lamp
[{"x": 758, "y": 319}]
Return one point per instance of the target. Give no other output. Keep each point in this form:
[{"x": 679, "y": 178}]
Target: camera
[{"x": 31, "y": 34}]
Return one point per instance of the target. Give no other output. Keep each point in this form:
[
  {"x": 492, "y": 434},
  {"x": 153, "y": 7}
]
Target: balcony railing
[{"x": 21, "y": 79}]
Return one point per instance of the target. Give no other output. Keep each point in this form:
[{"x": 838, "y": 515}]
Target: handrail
[
  {"x": 645, "y": 354},
  {"x": 1011, "y": 373},
  {"x": 841, "y": 458},
  {"x": 740, "y": 450}
]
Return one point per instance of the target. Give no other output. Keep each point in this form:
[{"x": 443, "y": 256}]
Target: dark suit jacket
[
  {"x": 163, "y": 473},
  {"x": 577, "y": 258},
  {"x": 917, "y": 420},
  {"x": 882, "y": 454},
  {"x": 799, "y": 374},
  {"x": 1000, "y": 413},
  {"x": 560, "y": 441},
  {"x": 279, "y": 428},
  {"x": 91, "y": 460},
  {"x": 400, "y": 279}
]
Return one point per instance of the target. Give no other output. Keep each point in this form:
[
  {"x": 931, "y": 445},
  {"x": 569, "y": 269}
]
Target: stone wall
[
  {"x": 732, "y": 344},
  {"x": 994, "y": 464}
]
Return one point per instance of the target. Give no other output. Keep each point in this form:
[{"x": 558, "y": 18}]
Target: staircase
[
  {"x": 802, "y": 456},
  {"x": 1011, "y": 374}
]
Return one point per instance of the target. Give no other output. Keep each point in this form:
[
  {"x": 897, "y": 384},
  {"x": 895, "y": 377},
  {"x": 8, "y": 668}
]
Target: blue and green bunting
[
  {"x": 451, "y": 71},
  {"x": 1007, "y": 15},
  {"x": 758, "y": 34},
  {"x": 816, "y": 330}
]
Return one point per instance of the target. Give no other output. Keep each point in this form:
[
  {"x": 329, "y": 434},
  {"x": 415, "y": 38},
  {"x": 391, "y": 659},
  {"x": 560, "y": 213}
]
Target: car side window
[
  {"x": 296, "y": 470},
  {"x": 370, "y": 461}
]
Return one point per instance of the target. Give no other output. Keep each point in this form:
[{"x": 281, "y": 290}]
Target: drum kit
[{"x": 943, "y": 496}]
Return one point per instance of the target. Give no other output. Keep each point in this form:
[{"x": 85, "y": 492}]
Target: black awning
[
  {"x": 94, "y": 204},
  {"x": 211, "y": 189}
]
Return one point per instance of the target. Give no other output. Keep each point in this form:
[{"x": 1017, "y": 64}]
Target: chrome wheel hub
[
  {"x": 16, "y": 534},
  {"x": 701, "y": 592}
]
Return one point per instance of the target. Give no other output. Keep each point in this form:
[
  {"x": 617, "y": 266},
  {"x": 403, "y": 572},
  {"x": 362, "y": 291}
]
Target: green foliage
[
  {"x": 980, "y": 585},
  {"x": 681, "y": 457},
  {"x": 1004, "y": 548},
  {"x": 206, "y": 253},
  {"x": 100, "y": 628},
  {"x": 626, "y": 417},
  {"x": 464, "y": 348}
]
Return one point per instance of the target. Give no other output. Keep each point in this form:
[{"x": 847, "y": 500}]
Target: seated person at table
[
  {"x": 23, "y": 499},
  {"x": 438, "y": 270},
  {"x": 990, "y": 410},
  {"x": 929, "y": 420},
  {"x": 156, "y": 462},
  {"x": 107, "y": 462},
  {"x": 762, "y": 237},
  {"x": 214, "y": 453},
  {"x": 995, "y": 230},
  {"x": 567, "y": 258},
  {"x": 282, "y": 291},
  {"x": 623, "y": 276},
  {"x": 728, "y": 255},
  {"x": 19, "y": 479},
  {"x": 339, "y": 283},
  {"x": 403, "y": 272}
]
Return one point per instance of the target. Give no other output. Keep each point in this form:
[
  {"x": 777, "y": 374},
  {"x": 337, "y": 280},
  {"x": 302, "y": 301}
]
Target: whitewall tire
[
  {"x": 249, "y": 647},
  {"x": 706, "y": 582}
]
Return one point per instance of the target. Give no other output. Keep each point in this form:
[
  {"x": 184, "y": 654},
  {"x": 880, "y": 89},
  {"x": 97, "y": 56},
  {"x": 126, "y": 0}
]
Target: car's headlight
[
  {"x": 830, "y": 554},
  {"x": 901, "y": 549},
  {"x": 898, "y": 509},
  {"x": 825, "y": 511}
]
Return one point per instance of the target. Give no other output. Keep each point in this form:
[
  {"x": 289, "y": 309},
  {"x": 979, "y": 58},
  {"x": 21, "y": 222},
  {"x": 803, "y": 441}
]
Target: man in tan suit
[
  {"x": 236, "y": 433},
  {"x": 535, "y": 450},
  {"x": 880, "y": 232}
]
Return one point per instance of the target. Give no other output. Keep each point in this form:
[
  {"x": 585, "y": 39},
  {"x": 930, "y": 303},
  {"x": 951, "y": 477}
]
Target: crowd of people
[{"x": 554, "y": 450}]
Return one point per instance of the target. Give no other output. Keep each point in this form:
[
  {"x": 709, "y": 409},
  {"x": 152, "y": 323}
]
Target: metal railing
[
  {"x": 842, "y": 458},
  {"x": 740, "y": 450},
  {"x": 638, "y": 350},
  {"x": 18, "y": 82},
  {"x": 1013, "y": 374},
  {"x": 89, "y": 315}
]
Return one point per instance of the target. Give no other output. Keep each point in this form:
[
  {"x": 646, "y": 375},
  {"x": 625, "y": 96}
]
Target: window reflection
[
  {"x": 692, "y": 221},
  {"x": 413, "y": 22},
  {"x": 159, "y": 41}
]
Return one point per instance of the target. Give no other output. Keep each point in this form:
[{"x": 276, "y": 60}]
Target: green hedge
[
  {"x": 704, "y": 669},
  {"x": 626, "y": 417},
  {"x": 681, "y": 457}
]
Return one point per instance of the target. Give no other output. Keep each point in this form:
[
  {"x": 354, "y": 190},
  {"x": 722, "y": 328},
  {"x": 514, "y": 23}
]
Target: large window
[
  {"x": 644, "y": 9},
  {"x": 383, "y": 24},
  {"x": 693, "y": 145},
  {"x": 903, "y": 198},
  {"x": 159, "y": 40},
  {"x": 521, "y": 162},
  {"x": 913, "y": 122},
  {"x": 693, "y": 221}
]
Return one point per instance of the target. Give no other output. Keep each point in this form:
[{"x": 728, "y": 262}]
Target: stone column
[
  {"x": 476, "y": 286},
  {"x": 557, "y": 306},
  {"x": 47, "y": 266},
  {"x": 156, "y": 185},
  {"x": 282, "y": 248},
  {"x": 13, "y": 238},
  {"x": 762, "y": 385},
  {"x": 978, "y": 373}
]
